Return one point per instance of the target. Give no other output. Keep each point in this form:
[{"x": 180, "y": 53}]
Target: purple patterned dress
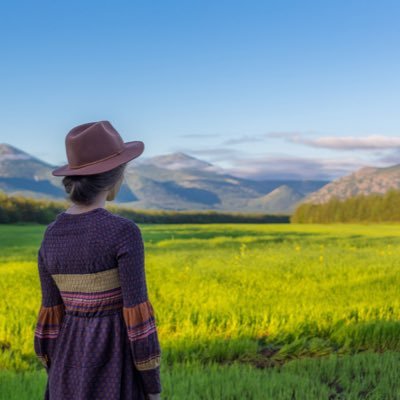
[{"x": 96, "y": 330}]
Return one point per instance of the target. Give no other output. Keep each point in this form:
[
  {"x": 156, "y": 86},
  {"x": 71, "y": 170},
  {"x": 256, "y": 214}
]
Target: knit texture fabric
[{"x": 96, "y": 332}]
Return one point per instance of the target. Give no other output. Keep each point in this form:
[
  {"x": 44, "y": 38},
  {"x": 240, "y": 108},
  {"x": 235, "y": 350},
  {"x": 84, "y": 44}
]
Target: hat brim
[{"x": 132, "y": 150}]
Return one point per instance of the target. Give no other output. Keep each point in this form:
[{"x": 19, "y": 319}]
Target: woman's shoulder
[
  {"x": 49, "y": 227},
  {"x": 123, "y": 221},
  {"x": 126, "y": 225},
  {"x": 127, "y": 234}
]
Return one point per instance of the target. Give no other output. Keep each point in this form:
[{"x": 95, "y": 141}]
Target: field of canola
[{"x": 244, "y": 311}]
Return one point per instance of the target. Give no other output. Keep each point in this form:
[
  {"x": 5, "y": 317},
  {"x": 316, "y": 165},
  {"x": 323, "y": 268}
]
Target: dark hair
[{"x": 83, "y": 189}]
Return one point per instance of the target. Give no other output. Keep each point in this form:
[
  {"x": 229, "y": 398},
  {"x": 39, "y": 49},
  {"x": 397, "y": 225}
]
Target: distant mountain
[
  {"x": 367, "y": 180},
  {"x": 282, "y": 199},
  {"x": 25, "y": 175},
  {"x": 180, "y": 161},
  {"x": 16, "y": 163},
  {"x": 174, "y": 181}
]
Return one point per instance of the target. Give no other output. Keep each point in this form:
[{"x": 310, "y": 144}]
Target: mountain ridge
[
  {"x": 175, "y": 181},
  {"x": 366, "y": 180}
]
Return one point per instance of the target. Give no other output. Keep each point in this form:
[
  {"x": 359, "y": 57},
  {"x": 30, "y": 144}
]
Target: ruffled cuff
[
  {"x": 47, "y": 330},
  {"x": 145, "y": 347}
]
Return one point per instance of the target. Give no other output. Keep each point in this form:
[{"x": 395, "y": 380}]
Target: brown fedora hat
[{"x": 96, "y": 147}]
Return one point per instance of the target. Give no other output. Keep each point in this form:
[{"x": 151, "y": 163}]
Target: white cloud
[
  {"x": 294, "y": 168},
  {"x": 244, "y": 139},
  {"x": 271, "y": 166},
  {"x": 345, "y": 143},
  {"x": 371, "y": 142},
  {"x": 199, "y": 135}
]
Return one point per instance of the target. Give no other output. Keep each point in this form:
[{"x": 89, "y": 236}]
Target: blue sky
[{"x": 265, "y": 89}]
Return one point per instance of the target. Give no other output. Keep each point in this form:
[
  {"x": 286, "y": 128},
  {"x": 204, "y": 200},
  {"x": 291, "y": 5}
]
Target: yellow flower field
[{"x": 244, "y": 311}]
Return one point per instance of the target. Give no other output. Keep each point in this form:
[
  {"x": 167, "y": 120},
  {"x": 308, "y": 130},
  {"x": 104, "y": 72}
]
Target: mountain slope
[
  {"x": 367, "y": 180},
  {"x": 179, "y": 161},
  {"x": 282, "y": 199},
  {"x": 174, "y": 181},
  {"x": 16, "y": 163}
]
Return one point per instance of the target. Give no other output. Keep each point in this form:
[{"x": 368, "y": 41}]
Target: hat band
[{"x": 95, "y": 162}]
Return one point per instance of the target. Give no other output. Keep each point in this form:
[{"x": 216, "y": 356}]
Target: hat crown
[
  {"x": 92, "y": 142},
  {"x": 96, "y": 147}
]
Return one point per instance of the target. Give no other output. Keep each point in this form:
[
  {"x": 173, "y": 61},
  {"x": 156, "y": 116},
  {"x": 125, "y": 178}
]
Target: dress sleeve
[
  {"x": 138, "y": 312},
  {"x": 50, "y": 316}
]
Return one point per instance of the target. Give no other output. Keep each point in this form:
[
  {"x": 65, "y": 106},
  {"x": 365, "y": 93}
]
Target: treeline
[
  {"x": 360, "y": 208},
  {"x": 19, "y": 209}
]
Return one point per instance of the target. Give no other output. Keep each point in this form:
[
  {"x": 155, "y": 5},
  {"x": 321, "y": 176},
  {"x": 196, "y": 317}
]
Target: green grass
[
  {"x": 364, "y": 375},
  {"x": 243, "y": 310}
]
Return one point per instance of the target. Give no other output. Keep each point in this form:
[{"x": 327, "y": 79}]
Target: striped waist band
[{"x": 96, "y": 293}]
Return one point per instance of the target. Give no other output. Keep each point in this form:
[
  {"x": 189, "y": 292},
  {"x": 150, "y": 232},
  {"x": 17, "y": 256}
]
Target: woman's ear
[{"x": 112, "y": 193}]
